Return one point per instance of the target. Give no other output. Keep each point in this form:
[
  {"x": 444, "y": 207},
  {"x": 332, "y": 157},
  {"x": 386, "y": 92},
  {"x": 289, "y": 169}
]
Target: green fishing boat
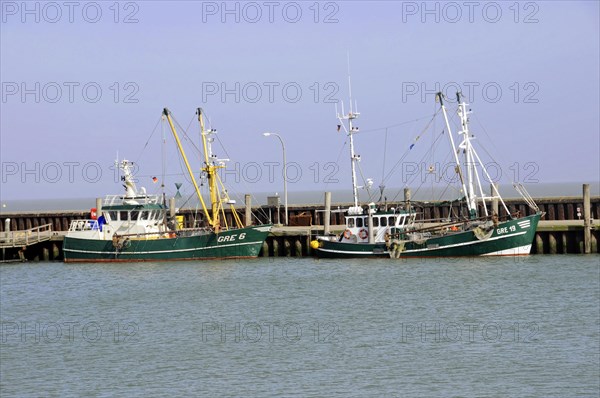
[
  {"x": 139, "y": 227},
  {"x": 476, "y": 230}
]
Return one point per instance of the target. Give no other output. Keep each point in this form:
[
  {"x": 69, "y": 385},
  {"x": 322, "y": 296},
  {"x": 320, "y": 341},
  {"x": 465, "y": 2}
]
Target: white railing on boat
[{"x": 113, "y": 200}]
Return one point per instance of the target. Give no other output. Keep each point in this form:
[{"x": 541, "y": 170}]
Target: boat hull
[
  {"x": 238, "y": 243},
  {"x": 509, "y": 238}
]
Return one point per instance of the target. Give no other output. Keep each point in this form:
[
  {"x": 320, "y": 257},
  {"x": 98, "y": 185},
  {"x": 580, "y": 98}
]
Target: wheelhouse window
[
  {"x": 112, "y": 215},
  {"x": 350, "y": 222},
  {"x": 143, "y": 215},
  {"x": 123, "y": 216},
  {"x": 359, "y": 222},
  {"x": 383, "y": 221},
  {"x": 134, "y": 215},
  {"x": 375, "y": 221},
  {"x": 391, "y": 221}
]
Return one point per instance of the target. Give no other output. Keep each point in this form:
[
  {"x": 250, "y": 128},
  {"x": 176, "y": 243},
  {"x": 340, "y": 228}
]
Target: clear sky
[{"x": 83, "y": 81}]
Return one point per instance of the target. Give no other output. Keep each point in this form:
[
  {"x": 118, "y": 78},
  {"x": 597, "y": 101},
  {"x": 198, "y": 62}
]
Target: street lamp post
[{"x": 285, "y": 200}]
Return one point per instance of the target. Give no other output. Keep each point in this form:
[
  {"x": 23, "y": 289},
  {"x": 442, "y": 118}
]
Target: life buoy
[
  {"x": 347, "y": 234},
  {"x": 363, "y": 234}
]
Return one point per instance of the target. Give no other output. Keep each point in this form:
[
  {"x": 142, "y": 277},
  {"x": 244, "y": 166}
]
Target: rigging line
[
  {"x": 237, "y": 194},
  {"x": 183, "y": 132},
  {"x": 443, "y": 168},
  {"x": 448, "y": 186},
  {"x": 390, "y": 173},
  {"x": 432, "y": 158},
  {"x": 148, "y": 141},
  {"x": 495, "y": 148},
  {"x": 384, "y": 155},
  {"x": 187, "y": 200},
  {"x": 337, "y": 161},
  {"x": 452, "y": 119},
  {"x": 365, "y": 185},
  {"x": 163, "y": 148},
  {"x": 183, "y": 173},
  {"x": 420, "y": 161},
  {"x": 392, "y": 125},
  {"x": 423, "y": 183},
  {"x": 166, "y": 175},
  {"x": 187, "y": 137}
]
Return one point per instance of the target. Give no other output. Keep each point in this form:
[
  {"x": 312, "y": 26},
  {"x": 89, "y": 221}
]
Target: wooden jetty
[{"x": 570, "y": 225}]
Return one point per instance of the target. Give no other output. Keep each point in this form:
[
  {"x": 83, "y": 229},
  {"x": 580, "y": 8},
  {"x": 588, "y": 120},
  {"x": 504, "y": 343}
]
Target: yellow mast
[
  {"x": 211, "y": 220},
  {"x": 211, "y": 173}
]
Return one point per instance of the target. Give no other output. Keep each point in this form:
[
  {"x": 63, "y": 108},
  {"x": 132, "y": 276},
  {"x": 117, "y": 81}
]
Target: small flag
[
  {"x": 339, "y": 126},
  {"x": 154, "y": 179},
  {"x": 411, "y": 146}
]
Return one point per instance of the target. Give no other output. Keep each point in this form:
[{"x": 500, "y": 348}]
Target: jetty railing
[{"x": 26, "y": 237}]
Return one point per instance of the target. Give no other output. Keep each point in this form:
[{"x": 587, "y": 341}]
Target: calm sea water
[{"x": 526, "y": 327}]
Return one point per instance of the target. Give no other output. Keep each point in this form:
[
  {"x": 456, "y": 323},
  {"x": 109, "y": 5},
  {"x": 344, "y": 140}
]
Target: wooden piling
[
  {"x": 407, "y": 195},
  {"x": 327, "y": 214},
  {"x": 552, "y": 243},
  {"x": 298, "y": 248},
  {"x": 55, "y": 251},
  {"x": 287, "y": 247},
  {"x": 539, "y": 243},
  {"x": 98, "y": 207},
  {"x": 248, "y": 210},
  {"x": 560, "y": 211},
  {"x": 571, "y": 214},
  {"x": 579, "y": 244},
  {"x": 265, "y": 249},
  {"x": 550, "y": 212},
  {"x": 587, "y": 231},
  {"x": 172, "y": 208}
]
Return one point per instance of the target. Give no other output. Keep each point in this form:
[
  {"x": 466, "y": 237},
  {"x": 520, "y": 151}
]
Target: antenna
[{"x": 349, "y": 80}]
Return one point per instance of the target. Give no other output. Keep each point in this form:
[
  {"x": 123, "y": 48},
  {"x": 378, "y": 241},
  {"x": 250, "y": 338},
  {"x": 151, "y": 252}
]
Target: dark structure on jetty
[{"x": 571, "y": 225}]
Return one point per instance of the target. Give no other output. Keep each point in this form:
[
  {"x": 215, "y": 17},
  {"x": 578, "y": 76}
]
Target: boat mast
[
  {"x": 167, "y": 114},
  {"x": 470, "y": 207},
  {"x": 354, "y": 158},
  {"x": 350, "y": 131},
  {"x": 210, "y": 168},
  {"x": 130, "y": 188},
  {"x": 468, "y": 151}
]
